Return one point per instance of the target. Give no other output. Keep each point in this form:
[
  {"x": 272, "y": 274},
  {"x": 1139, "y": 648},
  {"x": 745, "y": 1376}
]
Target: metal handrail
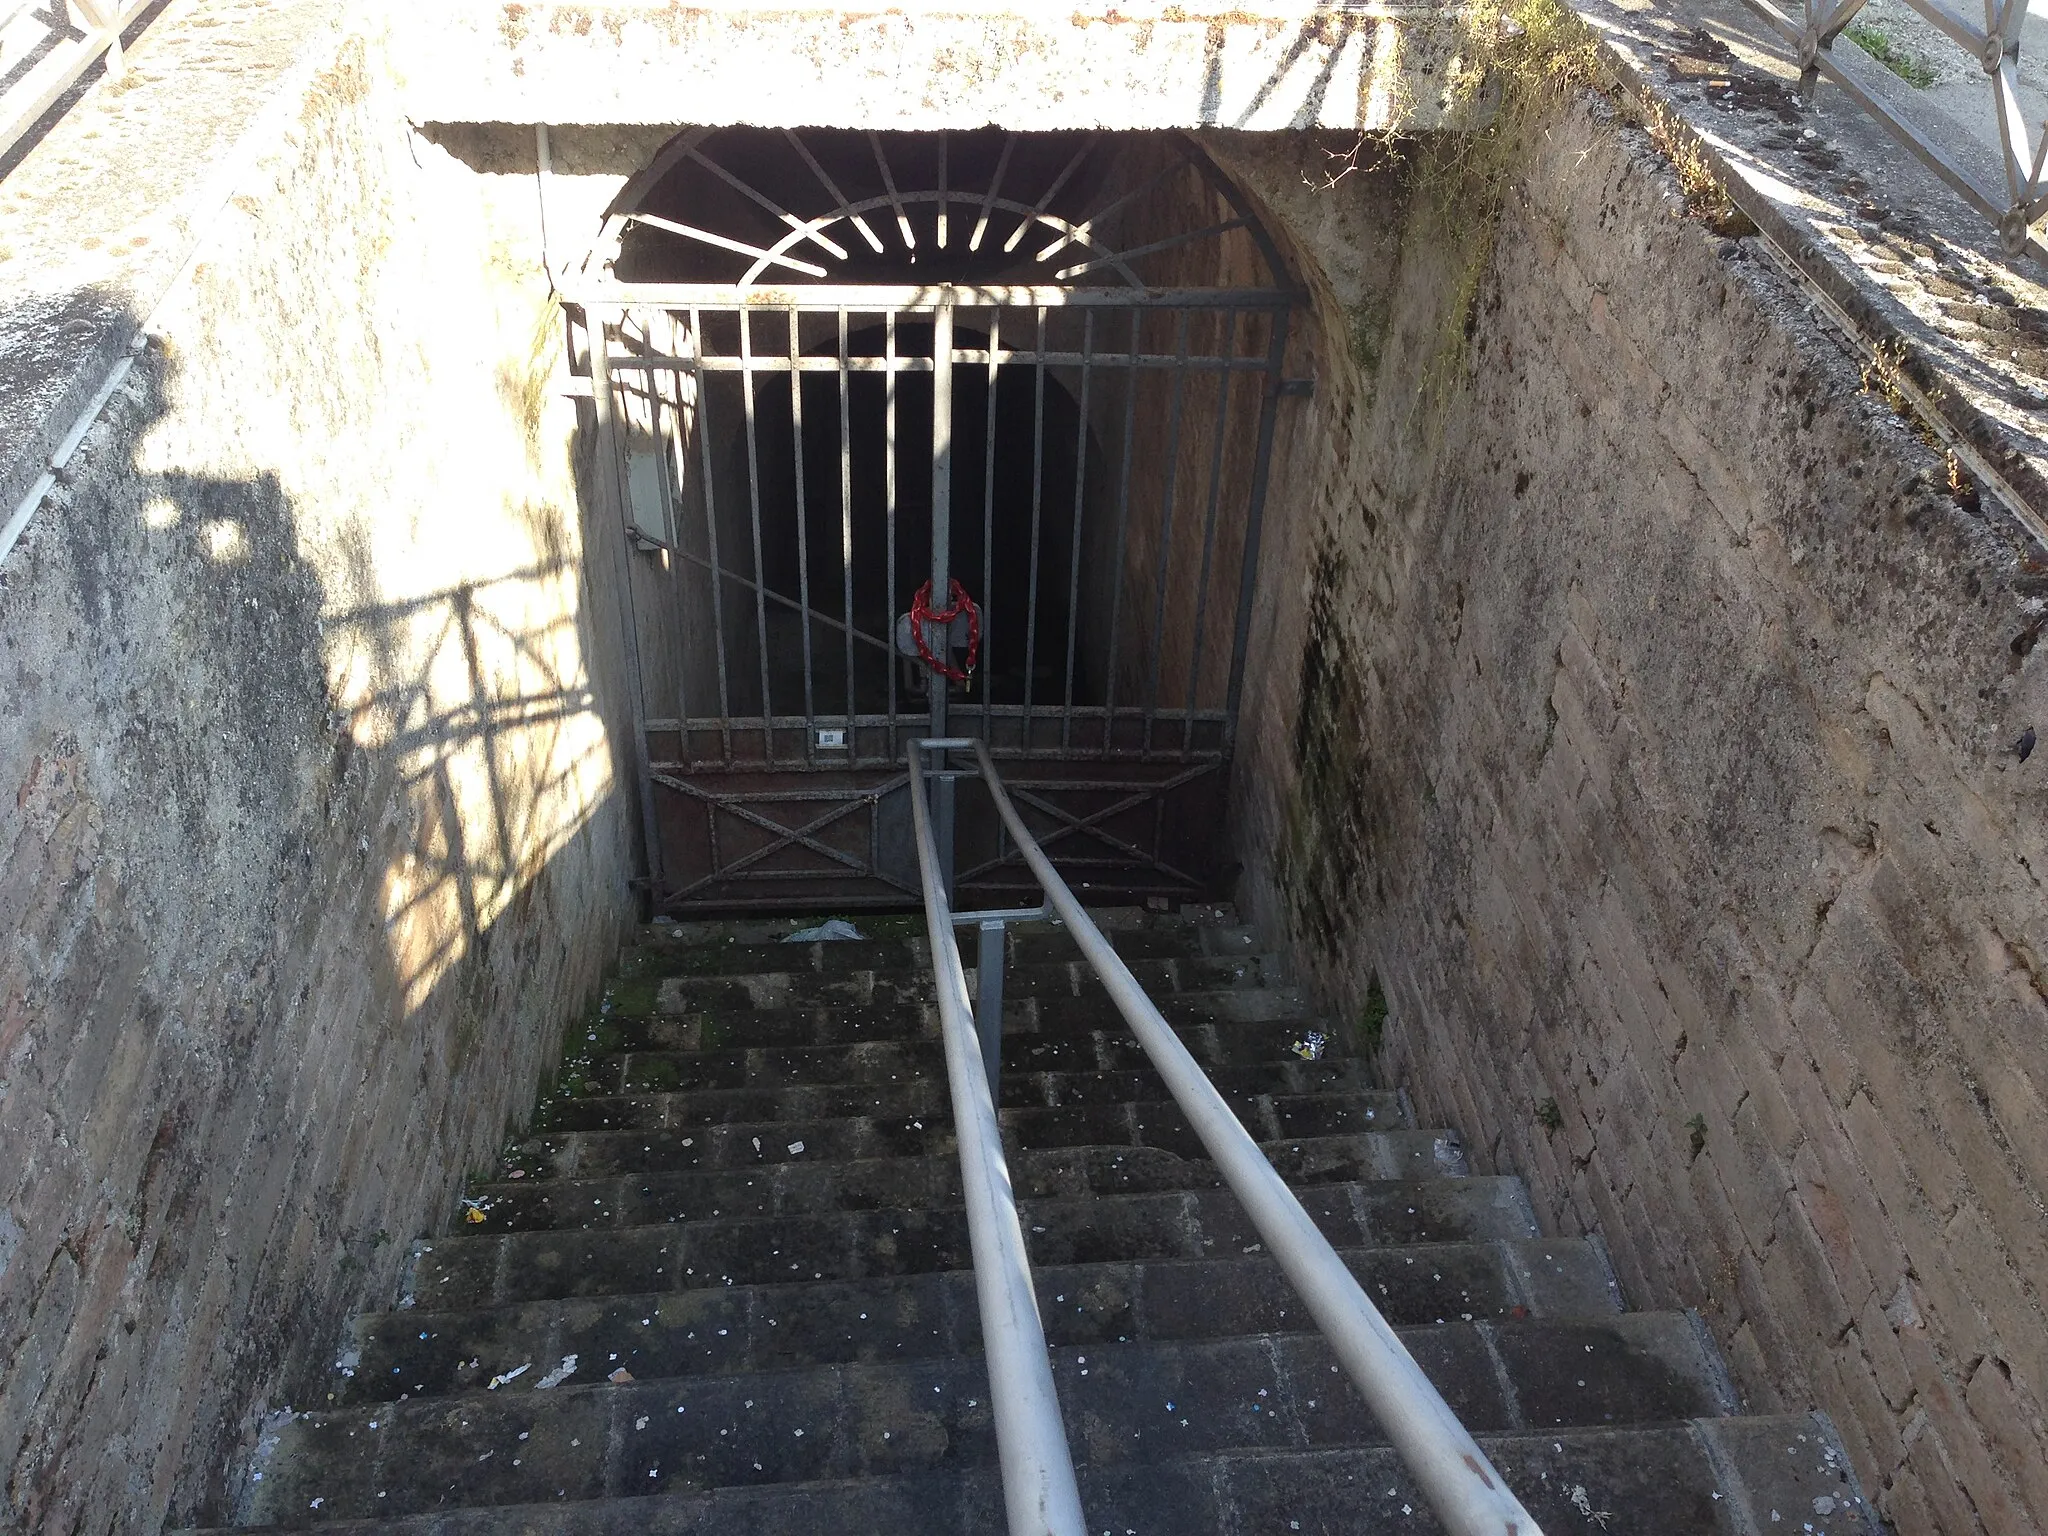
[
  {"x": 1039, "y": 1492},
  {"x": 65, "y": 58},
  {"x": 1461, "y": 1485}
]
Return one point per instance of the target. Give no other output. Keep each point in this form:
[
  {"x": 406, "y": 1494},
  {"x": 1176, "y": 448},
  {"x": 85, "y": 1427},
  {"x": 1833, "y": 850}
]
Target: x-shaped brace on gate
[
  {"x": 785, "y": 835},
  {"x": 1088, "y": 825}
]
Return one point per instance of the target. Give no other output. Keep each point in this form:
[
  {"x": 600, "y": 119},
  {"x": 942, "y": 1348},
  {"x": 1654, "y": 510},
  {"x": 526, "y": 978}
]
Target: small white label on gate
[{"x": 832, "y": 737}]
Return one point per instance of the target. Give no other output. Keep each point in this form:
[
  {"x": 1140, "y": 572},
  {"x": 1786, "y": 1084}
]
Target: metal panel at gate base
[{"x": 1088, "y": 463}]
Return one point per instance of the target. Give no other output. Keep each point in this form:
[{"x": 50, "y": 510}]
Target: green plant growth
[
  {"x": 522, "y": 379},
  {"x": 890, "y": 925},
  {"x": 1535, "y": 54},
  {"x": 1529, "y": 57},
  {"x": 635, "y": 997},
  {"x": 657, "y": 1074},
  {"x": 1372, "y": 1018},
  {"x": 1549, "y": 1116},
  {"x": 1323, "y": 850},
  {"x": 1893, "y": 55},
  {"x": 1368, "y": 324},
  {"x": 1706, "y": 198}
]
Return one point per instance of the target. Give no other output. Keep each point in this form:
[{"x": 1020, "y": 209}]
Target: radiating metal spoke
[
  {"x": 895, "y": 198},
  {"x": 1171, "y": 244},
  {"x": 845, "y": 209},
  {"x": 775, "y": 210},
  {"x": 1107, "y": 211},
  {"x": 995, "y": 187},
  {"x": 727, "y": 243},
  {"x": 1037, "y": 210}
]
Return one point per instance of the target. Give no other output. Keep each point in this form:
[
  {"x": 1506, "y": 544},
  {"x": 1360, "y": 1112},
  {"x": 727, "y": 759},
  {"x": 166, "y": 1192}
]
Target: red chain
[{"x": 921, "y": 614}]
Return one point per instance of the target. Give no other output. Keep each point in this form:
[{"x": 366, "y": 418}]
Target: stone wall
[
  {"x": 313, "y": 835},
  {"x": 1632, "y": 700}
]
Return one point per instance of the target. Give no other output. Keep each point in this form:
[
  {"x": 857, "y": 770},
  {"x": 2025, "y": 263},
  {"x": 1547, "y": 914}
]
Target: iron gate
[{"x": 1088, "y": 461}]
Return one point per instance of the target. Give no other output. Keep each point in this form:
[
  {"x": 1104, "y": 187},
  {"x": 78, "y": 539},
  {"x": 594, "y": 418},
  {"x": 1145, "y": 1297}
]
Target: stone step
[
  {"x": 700, "y": 1251},
  {"x": 739, "y": 1328},
  {"x": 1335, "y": 1093},
  {"x": 1159, "y": 1125},
  {"x": 800, "y": 1186},
  {"x": 1095, "y": 1066},
  {"x": 1045, "y": 980},
  {"x": 1706, "y": 1477},
  {"x": 1265, "y": 1020},
  {"x": 1116, "y": 922},
  {"x": 1027, "y": 944},
  {"x": 1128, "y": 1403}
]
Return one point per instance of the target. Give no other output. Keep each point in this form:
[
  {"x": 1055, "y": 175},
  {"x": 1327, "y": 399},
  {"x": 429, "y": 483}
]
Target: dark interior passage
[{"x": 839, "y": 534}]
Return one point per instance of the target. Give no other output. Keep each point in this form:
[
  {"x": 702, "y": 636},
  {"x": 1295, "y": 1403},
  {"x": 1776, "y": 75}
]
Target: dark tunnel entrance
[
  {"x": 1016, "y": 505},
  {"x": 1116, "y": 326}
]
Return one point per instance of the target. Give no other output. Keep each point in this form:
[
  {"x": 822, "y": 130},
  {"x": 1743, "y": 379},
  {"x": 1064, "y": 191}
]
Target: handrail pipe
[
  {"x": 1040, "y": 1496},
  {"x": 1461, "y": 1485}
]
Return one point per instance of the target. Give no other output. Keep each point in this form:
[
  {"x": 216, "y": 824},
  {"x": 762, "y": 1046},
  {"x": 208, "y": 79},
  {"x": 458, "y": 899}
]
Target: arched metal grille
[
  {"x": 747, "y": 208},
  {"x": 830, "y": 366}
]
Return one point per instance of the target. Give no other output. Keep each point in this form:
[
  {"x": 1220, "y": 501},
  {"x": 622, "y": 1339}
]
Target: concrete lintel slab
[{"x": 963, "y": 65}]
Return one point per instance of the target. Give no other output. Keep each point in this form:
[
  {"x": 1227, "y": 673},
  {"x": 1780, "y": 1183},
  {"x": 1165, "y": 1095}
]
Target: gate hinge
[{"x": 1297, "y": 387}]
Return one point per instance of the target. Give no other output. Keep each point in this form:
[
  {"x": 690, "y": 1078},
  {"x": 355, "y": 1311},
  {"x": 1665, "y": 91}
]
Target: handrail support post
[{"x": 988, "y": 1004}]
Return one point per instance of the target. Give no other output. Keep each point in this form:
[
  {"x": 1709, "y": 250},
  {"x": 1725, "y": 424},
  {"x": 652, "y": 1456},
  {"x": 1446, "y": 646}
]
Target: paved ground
[{"x": 1888, "y": 243}]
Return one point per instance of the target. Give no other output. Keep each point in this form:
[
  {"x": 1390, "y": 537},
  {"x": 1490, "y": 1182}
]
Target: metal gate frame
[{"x": 743, "y": 811}]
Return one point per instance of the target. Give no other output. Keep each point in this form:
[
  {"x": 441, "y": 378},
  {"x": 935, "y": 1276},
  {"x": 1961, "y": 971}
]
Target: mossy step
[
  {"x": 489, "y": 1270},
  {"x": 1129, "y": 1403},
  {"x": 654, "y": 1143},
  {"x": 740, "y": 1328},
  {"x": 798, "y": 1186},
  {"x": 1114, "y": 921},
  {"x": 1283, "y": 1014},
  {"x": 757, "y": 991},
  {"x": 1025, "y": 944},
  {"x": 928, "y": 1093},
  {"x": 1026, "y": 1056}
]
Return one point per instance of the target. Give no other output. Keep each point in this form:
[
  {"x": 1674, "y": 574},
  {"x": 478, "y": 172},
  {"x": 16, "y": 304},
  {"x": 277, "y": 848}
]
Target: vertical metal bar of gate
[
  {"x": 942, "y": 552},
  {"x": 889, "y": 503},
  {"x": 1159, "y": 589},
  {"x": 1074, "y": 542},
  {"x": 754, "y": 509},
  {"x": 803, "y": 540},
  {"x": 1037, "y": 508},
  {"x": 846, "y": 531},
  {"x": 1123, "y": 522},
  {"x": 674, "y": 465},
  {"x": 988, "y": 520},
  {"x": 1226, "y": 347}
]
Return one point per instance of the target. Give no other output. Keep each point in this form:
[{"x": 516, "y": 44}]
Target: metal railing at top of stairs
[
  {"x": 1469, "y": 1497},
  {"x": 46, "y": 50}
]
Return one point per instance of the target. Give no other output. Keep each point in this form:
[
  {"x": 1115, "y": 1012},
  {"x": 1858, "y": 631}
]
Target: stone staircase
[{"x": 723, "y": 1286}]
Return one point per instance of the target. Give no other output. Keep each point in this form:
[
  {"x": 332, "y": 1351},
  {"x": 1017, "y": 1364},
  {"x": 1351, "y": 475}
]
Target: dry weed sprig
[{"x": 1706, "y": 195}]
